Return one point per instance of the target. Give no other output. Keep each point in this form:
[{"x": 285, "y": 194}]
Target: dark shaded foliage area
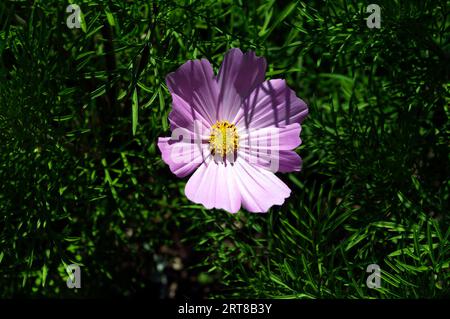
[{"x": 82, "y": 180}]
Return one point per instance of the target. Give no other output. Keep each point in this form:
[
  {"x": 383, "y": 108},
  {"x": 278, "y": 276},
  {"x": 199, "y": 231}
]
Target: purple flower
[{"x": 233, "y": 131}]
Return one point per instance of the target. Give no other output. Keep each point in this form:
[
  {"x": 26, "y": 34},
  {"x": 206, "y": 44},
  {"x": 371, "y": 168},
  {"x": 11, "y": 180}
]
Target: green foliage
[{"x": 82, "y": 179}]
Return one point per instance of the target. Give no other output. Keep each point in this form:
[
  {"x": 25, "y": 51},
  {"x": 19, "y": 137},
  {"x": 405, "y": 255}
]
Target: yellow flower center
[{"x": 223, "y": 139}]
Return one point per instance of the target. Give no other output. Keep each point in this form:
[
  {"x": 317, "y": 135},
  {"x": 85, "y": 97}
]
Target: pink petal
[
  {"x": 290, "y": 161},
  {"x": 213, "y": 186},
  {"x": 272, "y": 103},
  {"x": 260, "y": 189},
  {"x": 184, "y": 156},
  {"x": 194, "y": 83},
  {"x": 271, "y": 147},
  {"x": 239, "y": 74},
  {"x": 183, "y": 116}
]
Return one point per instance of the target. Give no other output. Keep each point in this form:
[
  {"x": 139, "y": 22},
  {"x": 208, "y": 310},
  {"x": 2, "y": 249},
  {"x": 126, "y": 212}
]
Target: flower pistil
[{"x": 224, "y": 139}]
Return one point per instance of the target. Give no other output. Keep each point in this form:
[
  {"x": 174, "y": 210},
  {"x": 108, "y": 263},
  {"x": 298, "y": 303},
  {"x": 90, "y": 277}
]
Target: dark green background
[{"x": 81, "y": 178}]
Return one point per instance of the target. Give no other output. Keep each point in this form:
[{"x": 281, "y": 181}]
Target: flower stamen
[{"x": 224, "y": 139}]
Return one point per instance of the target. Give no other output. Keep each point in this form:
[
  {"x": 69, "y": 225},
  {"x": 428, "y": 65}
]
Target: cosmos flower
[{"x": 233, "y": 131}]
